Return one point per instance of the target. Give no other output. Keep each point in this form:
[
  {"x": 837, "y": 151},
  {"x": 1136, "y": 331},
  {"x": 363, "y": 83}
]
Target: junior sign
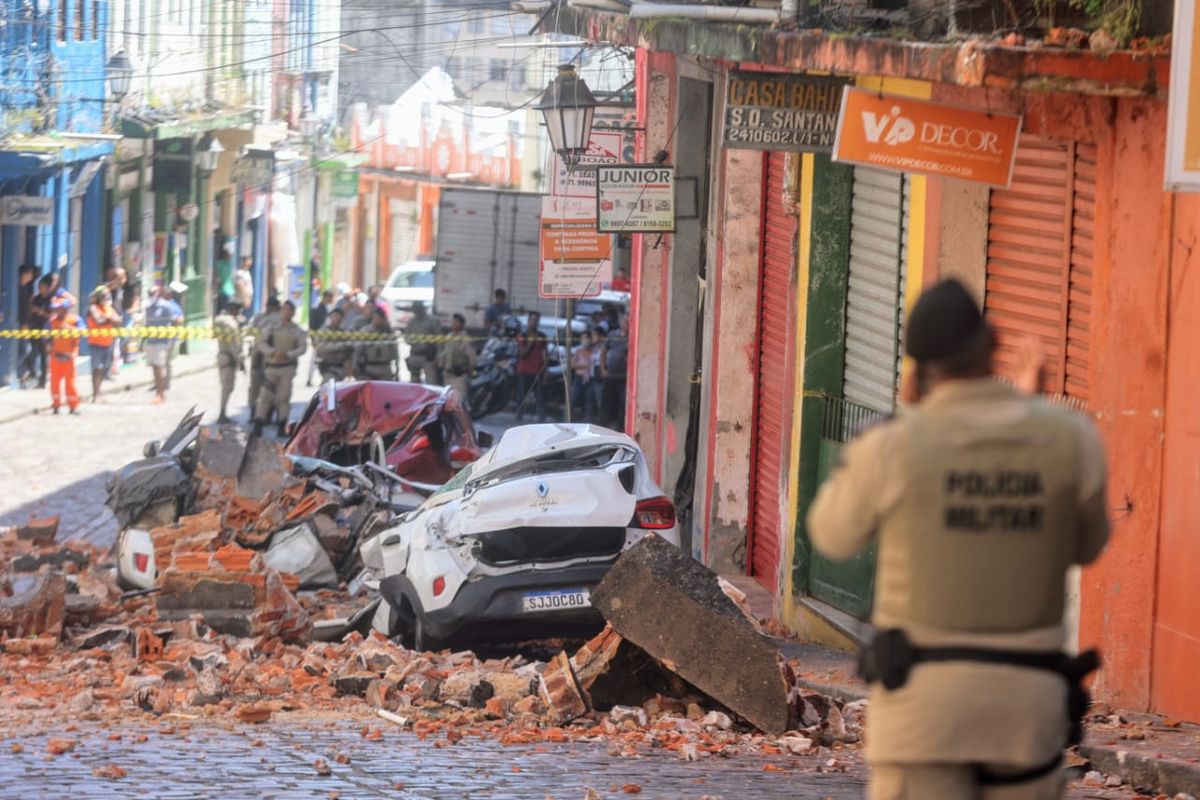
[
  {"x": 636, "y": 198},
  {"x": 908, "y": 135},
  {"x": 765, "y": 111}
]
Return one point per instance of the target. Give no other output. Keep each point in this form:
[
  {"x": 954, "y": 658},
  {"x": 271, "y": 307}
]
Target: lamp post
[
  {"x": 208, "y": 159},
  {"x": 119, "y": 70},
  {"x": 568, "y": 108},
  {"x": 310, "y": 129}
]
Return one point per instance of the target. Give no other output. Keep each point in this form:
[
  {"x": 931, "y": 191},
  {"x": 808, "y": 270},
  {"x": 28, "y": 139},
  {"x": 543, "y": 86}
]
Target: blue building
[{"x": 52, "y": 149}]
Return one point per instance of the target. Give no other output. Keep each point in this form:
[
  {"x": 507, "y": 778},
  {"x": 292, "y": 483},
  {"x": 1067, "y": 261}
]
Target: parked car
[
  {"x": 408, "y": 282},
  {"x": 586, "y": 306},
  {"x": 512, "y": 547},
  {"x": 420, "y": 432}
]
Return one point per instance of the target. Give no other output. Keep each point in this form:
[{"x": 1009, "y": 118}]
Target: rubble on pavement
[{"x": 230, "y": 629}]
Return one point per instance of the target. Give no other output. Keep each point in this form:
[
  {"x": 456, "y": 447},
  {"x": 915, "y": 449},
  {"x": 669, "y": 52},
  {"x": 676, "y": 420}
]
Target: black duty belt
[
  {"x": 284, "y": 365},
  {"x": 890, "y": 656}
]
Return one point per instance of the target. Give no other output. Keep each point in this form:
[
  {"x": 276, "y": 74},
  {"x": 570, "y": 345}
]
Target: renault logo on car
[{"x": 543, "y": 489}]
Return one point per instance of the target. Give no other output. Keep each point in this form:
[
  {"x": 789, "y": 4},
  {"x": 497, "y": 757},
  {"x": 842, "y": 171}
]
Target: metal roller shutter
[
  {"x": 774, "y": 326},
  {"x": 1079, "y": 298},
  {"x": 1039, "y": 261},
  {"x": 1027, "y": 255},
  {"x": 875, "y": 292}
]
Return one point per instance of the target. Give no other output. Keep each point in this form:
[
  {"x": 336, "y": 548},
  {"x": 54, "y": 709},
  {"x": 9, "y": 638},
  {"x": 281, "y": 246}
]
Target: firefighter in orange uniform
[{"x": 63, "y": 352}]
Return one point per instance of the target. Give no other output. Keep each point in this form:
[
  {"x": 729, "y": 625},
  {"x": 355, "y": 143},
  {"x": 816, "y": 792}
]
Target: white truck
[{"x": 488, "y": 239}]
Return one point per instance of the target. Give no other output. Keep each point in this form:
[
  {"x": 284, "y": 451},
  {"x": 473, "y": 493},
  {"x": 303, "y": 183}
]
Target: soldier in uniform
[
  {"x": 334, "y": 355},
  {"x": 422, "y": 333},
  {"x": 456, "y": 358},
  {"x": 377, "y": 359},
  {"x": 230, "y": 357},
  {"x": 281, "y": 349},
  {"x": 260, "y": 326},
  {"x": 980, "y": 497}
]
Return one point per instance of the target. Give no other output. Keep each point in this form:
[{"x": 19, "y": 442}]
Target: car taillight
[
  {"x": 439, "y": 586},
  {"x": 141, "y": 561},
  {"x": 419, "y": 442},
  {"x": 460, "y": 457},
  {"x": 655, "y": 514}
]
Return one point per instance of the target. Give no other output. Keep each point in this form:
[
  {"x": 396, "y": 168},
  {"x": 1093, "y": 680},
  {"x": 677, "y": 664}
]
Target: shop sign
[
  {"x": 906, "y": 135},
  {"x": 576, "y": 259},
  {"x": 345, "y": 183},
  {"x": 26, "y": 210},
  {"x": 1183, "y": 101},
  {"x": 771, "y": 111},
  {"x": 635, "y": 198},
  {"x": 579, "y": 180},
  {"x": 253, "y": 171}
]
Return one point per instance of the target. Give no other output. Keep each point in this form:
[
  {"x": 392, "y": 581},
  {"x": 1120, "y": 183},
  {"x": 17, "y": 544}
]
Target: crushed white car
[{"x": 512, "y": 546}]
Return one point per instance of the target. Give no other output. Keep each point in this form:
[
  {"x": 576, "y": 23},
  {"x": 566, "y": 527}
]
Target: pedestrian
[
  {"x": 27, "y": 348},
  {"x": 422, "y": 334},
  {"x": 495, "y": 313},
  {"x": 621, "y": 282},
  {"x": 378, "y": 358},
  {"x": 614, "y": 366},
  {"x": 48, "y": 292},
  {"x": 334, "y": 355},
  {"x": 115, "y": 280},
  {"x": 281, "y": 348},
  {"x": 162, "y": 311},
  {"x": 102, "y": 315},
  {"x": 357, "y": 313},
  {"x": 243, "y": 284},
  {"x": 227, "y": 328},
  {"x": 531, "y": 367},
  {"x": 373, "y": 293},
  {"x": 456, "y": 358},
  {"x": 317, "y": 316},
  {"x": 980, "y": 498},
  {"x": 64, "y": 348},
  {"x": 600, "y": 322},
  {"x": 259, "y": 328},
  {"x": 583, "y": 378}
]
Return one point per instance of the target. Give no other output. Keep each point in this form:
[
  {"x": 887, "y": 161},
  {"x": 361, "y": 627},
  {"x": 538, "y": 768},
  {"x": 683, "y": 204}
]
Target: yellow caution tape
[{"x": 208, "y": 332}]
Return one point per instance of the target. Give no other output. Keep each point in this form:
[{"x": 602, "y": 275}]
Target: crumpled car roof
[
  {"x": 531, "y": 441},
  {"x": 363, "y": 408}
]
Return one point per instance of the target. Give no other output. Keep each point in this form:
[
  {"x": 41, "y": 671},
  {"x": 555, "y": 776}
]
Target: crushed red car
[{"x": 421, "y": 432}]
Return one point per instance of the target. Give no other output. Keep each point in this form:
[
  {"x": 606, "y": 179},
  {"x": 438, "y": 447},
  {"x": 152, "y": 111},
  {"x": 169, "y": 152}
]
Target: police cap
[{"x": 945, "y": 321}]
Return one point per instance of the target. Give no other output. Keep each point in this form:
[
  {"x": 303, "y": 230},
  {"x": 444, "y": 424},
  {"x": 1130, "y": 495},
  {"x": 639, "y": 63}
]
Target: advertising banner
[
  {"x": 604, "y": 147},
  {"x": 26, "y": 210},
  {"x": 906, "y": 135},
  {"x": 774, "y": 111},
  {"x": 1183, "y": 101},
  {"x": 576, "y": 260},
  {"x": 635, "y": 198}
]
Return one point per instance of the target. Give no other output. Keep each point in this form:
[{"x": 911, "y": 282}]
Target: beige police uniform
[
  {"x": 980, "y": 498},
  {"x": 421, "y": 335},
  {"x": 334, "y": 355},
  {"x": 379, "y": 359},
  {"x": 456, "y": 360},
  {"x": 260, "y": 326},
  {"x": 289, "y": 341},
  {"x": 229, "y": 354}
]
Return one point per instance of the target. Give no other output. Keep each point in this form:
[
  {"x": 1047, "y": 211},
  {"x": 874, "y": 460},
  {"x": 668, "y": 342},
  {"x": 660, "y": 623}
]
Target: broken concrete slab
[
  {"x": 705, "y": 639},
  {"x": 264, "y": 469},
  {"x": 32, "y": 604},
  {"x": 240, "y": 604}
]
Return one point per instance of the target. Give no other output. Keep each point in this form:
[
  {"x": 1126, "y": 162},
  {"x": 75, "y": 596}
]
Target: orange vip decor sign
[{"x": 907, "y": 135}]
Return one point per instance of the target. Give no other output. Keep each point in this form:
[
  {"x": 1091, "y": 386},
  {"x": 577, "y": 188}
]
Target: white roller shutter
[{"x": 876, "y": 288}]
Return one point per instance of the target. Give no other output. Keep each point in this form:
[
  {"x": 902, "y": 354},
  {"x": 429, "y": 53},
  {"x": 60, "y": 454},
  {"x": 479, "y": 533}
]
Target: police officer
[
  {"x": 281, "y": 349},
  {"x": 980, "y": 497},
  {"x": 230, "y": 360},
  {"x": 377, "y": 359},
  {"x": 334, "y": 355},
  {"x": 422, "y": 333},
  {"x": 260, "y": 326}
]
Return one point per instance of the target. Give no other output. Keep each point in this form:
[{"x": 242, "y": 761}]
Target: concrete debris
[
  {"x": 561, "y": 692},
  {"x": 39, "y": 531},
  {"x": 706, "y": 639}
]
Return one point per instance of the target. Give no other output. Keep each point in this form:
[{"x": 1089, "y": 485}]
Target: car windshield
[
  {"x": 593, "y": 457},
  {"x": 412, "y": 279}
]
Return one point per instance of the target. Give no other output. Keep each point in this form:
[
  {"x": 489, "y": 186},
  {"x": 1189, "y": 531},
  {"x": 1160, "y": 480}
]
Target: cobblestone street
[{"x": 176, "y": 758}]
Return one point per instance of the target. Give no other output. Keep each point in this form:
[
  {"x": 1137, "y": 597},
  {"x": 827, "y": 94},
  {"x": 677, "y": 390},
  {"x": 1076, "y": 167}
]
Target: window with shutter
[{"x": 1039, "y": 261}]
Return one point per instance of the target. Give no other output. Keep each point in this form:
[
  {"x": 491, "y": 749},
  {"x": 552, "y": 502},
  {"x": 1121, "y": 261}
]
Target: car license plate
[{"x": 559, "y": 600}]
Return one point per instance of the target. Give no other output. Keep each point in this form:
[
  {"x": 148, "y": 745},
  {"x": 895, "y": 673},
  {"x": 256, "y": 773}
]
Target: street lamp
[
  {"x": 208, "y": 157},
  {"x": 310, "y": 126},
  {"x": 120, "y": 75},
  {"x": 568, "y": 107}
]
